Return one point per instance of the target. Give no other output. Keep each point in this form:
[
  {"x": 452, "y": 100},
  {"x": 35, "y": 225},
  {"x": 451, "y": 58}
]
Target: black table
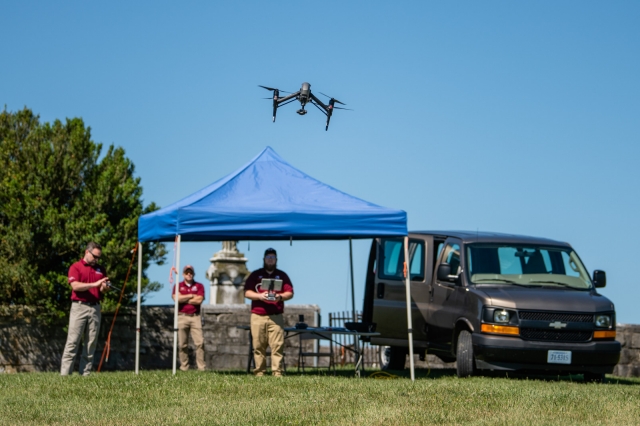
[{"x": 322, "y": 333}]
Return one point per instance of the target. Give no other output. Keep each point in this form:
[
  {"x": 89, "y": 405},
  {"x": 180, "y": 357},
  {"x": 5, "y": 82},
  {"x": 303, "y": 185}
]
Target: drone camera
[{"x": 302, "y": 111}]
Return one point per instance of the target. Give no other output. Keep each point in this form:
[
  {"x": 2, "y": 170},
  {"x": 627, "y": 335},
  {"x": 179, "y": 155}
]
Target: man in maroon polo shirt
[
  {"x": 191, "y": 295},
  {"x": 88, "y": 282},
  {"x": 267, "y": 323}
]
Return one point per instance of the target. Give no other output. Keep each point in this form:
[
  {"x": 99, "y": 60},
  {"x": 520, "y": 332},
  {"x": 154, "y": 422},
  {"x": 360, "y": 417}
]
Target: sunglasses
[{"x": 94, "y": 256}]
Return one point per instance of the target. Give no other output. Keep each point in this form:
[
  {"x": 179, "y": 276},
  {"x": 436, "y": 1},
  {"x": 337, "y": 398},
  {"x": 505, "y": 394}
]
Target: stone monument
[
  {"x": 227, "y": 273},
  {"x": 225, "y": 345}
]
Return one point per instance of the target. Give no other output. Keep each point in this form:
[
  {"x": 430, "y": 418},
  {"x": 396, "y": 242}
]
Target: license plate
[{"x": 559, "y": 357}]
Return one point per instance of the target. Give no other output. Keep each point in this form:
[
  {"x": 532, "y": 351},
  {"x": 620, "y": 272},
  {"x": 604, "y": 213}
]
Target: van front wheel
[{"x": 465, "y": 360}]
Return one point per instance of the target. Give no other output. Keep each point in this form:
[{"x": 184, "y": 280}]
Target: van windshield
[{"x": 531, "y": 266}]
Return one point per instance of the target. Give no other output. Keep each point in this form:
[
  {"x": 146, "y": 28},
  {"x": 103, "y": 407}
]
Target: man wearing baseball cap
[
  {"x": 190, "y": 297},
  {"x": 267, "y": 323}
]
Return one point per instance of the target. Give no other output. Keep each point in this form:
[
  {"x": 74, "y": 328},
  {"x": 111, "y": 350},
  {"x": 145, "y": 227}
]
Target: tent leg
[
  {"x": 356, "y": 343},
  {"x": 175, "y": 311},
  {"x": 138, "y": 308},
  {"x": 353, "y": 291},
  {"x": 409, "y": 320}
]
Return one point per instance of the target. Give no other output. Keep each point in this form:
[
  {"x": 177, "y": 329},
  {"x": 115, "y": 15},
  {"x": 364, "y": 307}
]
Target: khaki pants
[
  {"x": 190, "y": 324},
  {"x": 267, "y": 330},
  {"x": 84, "y": 324}
]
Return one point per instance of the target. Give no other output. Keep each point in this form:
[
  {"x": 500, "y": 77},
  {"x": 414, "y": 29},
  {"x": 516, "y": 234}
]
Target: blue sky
[{"x": 496, "y": 116}]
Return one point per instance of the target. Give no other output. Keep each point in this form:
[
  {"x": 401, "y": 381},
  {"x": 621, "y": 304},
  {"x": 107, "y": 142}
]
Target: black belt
[
  {"x": 189, "y": 315},
  {"x": 85, "y": 303}
]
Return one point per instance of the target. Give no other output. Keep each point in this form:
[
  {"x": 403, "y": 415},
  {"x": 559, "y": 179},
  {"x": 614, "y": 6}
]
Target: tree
[{"x": 56, "y": 195}]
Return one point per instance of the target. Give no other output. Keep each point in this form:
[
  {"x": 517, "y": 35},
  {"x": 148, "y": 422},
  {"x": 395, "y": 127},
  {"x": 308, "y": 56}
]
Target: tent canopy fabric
[{"x": 268, "y": 199}]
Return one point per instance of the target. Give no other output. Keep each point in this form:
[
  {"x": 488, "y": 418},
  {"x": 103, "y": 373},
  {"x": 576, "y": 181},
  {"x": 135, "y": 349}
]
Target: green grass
[{"x": 157, "y": 398}]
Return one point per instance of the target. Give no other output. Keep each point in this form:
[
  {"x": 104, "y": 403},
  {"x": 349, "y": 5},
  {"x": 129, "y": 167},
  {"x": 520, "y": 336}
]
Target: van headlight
[
  {"x": 603, "y": 321},
  {"x": 501, "y": 316}
]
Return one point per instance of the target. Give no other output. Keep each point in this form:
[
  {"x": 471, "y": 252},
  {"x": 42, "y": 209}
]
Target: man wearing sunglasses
[
  {"x": 190, "y": 297},
  {"x": 267, "y": 323},
  {"x": 88, "y": 282}
]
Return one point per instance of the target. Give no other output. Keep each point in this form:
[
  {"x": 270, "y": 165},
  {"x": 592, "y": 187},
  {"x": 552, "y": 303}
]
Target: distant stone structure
[{"x": 227, "y": 273}]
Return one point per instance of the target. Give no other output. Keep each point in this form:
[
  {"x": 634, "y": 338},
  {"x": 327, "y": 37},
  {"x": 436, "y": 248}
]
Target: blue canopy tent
[{"x": 268, "y": 199}]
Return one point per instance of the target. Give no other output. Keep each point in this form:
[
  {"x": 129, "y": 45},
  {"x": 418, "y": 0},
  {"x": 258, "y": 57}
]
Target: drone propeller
[
  {"x": 347, "y": 109},
  {"x": 334, "y": 99},
  {"x": 273, "y": 89}
]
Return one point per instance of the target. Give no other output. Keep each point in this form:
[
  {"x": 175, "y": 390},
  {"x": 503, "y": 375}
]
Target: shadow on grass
[
  {"x": 578, "y": 378},
  {"x": 434, "y": 374}
]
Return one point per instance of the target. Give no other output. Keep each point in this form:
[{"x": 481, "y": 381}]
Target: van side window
[
  {"x": 393, "y": 262},
  {"x": 452, "y": 257},
  {"x": 439, "y": 247},
  {"x": 416, "y": 254}
]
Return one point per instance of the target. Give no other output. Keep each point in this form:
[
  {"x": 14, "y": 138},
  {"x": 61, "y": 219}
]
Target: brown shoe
[{"x": 277, "y": 374}]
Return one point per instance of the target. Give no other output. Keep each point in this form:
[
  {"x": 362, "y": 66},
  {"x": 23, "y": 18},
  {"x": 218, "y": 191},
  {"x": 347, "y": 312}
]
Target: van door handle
[{"x": 380, "y": 290}]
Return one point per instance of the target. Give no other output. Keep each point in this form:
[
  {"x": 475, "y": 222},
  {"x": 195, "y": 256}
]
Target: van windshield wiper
[
  {"x": 502, "y": 280},
  {"x": 560, "y": 284}
]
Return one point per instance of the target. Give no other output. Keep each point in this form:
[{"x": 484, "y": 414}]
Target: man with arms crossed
[
  {"x": 88, "y": 281},
  {"x": 190, "y": 297},
  {"x": 267, "y": 323}
]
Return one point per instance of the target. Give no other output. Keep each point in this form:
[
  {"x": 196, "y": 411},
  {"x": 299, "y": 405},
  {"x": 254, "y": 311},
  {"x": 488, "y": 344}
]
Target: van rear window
[{"x": 391, "y": 257}]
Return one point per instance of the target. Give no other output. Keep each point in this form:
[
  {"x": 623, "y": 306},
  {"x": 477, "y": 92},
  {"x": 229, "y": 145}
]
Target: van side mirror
[
  {"x": 599, "y": 278},
  {"x": 444, "y": 274},
  {"x": 444, "y": 270}
]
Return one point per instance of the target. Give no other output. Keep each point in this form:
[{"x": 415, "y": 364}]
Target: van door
[
  {"x": 445, "y": 296},
  {"x": 389, "y": 303}
]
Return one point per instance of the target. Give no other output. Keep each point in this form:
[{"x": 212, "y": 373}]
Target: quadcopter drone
[{"x": 305, "y": 96}]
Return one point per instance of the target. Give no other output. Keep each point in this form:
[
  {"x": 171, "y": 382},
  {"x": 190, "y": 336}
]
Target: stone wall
[
  {"x": 28, "y": 345},
  {"x": 629, "y": 336},
  {"x": 227, "y": 346},
  {"x": 25, "y": 344}
]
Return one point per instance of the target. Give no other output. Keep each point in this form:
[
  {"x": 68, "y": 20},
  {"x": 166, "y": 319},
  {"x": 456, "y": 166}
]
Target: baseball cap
[
  {"x": 270, "y": 251},
  {"x": 188, "y": 267}
]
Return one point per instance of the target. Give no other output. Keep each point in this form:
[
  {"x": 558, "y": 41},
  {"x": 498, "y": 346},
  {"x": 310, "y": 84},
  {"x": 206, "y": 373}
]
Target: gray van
[{"x": 492, "y": 302}]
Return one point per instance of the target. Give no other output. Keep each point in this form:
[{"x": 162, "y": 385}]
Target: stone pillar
[{"x": 227, "y": 273}]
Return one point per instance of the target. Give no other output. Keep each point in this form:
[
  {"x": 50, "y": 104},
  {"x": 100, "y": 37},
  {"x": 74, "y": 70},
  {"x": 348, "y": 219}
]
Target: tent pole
[
  {"x": 175, "y": 311},
  {"x": 407, "y": 284},
  {"x": 356, "y": 344},
  {"x": 353, "y": 291},
  {"x": 138, "y": 308}
]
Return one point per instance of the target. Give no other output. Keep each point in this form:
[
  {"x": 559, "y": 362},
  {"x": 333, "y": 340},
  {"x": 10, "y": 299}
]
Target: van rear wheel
[
  {"x": 465, "y": 359},
  {"x": 393, "y": 357}
]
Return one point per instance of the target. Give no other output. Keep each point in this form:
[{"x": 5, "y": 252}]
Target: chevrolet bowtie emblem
[{"x": 558, "y": 324}]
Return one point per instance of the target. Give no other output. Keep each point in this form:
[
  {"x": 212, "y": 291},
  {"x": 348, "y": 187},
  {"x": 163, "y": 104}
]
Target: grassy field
[{"x": 157, "y": 398}]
